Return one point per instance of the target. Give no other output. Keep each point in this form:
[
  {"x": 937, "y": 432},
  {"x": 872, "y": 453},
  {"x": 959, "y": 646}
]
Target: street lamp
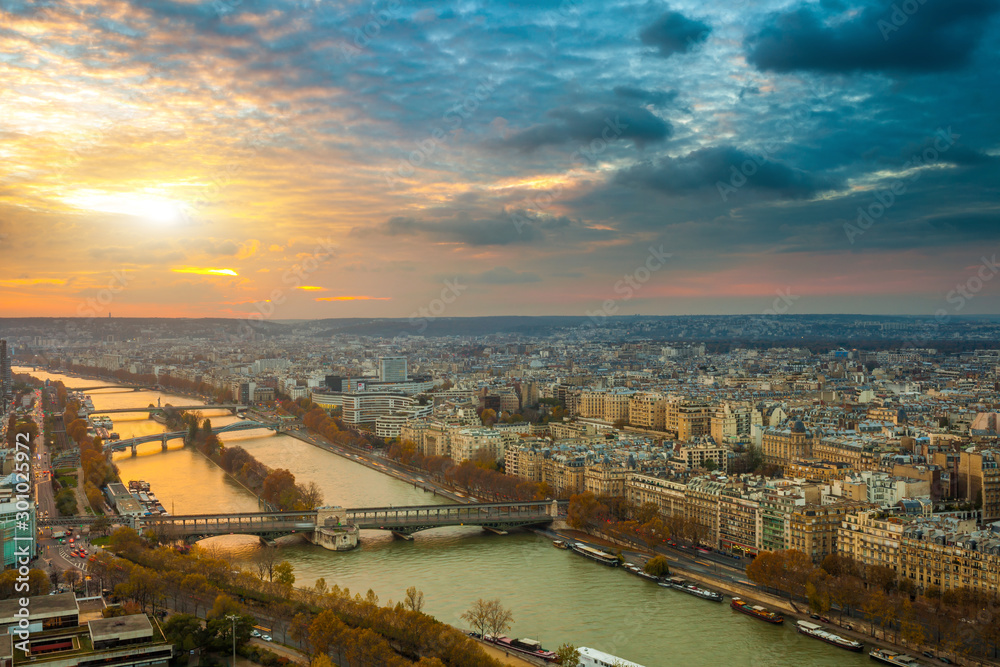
[{"x": 233, "y": 617}]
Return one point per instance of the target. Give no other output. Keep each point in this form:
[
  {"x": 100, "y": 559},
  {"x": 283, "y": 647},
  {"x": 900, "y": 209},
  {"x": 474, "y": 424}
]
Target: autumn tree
[
  {"x": 414, "y": 600},
  {"x": 658, "y": 566}
]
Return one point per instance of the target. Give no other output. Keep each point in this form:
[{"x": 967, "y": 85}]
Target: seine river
[{"x": 556, "y": 596}]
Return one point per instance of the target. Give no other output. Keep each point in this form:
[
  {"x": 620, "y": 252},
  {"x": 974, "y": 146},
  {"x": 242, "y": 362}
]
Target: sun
[{"x": 151, "y": 207}]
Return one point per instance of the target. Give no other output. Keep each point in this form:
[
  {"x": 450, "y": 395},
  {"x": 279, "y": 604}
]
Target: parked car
[
  {"x": 254, "y": 633},
  {"x": 944, "y": 660},
  {"x": 928, "y": 654},
  {"x": 266, "y": 638}
]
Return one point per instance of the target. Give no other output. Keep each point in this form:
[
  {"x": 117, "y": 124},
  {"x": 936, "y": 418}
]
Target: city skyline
[{"x": 315, "y": 160}]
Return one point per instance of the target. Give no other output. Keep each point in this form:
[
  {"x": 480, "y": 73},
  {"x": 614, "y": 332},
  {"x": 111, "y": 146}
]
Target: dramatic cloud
[
  {"x": 227, "y": 154},
  {"x": 915, "y": 35},
  {"x": 723, "y": 170},
  {"x": 674, "y": 33},
  {"x": 599, "y": 125}
]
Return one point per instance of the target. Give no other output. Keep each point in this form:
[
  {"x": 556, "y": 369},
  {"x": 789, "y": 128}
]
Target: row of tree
[
  {"x": 277, "y": 487},
  {"x": 963, "y": 621},
  {"x": 356, "y": 630},
  {"x": 643, "y": 523}
]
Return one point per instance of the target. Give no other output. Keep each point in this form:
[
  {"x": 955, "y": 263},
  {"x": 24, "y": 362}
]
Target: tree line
[
  {"x": 962, "y": 621},
  {"x": 356, "y": 630}
]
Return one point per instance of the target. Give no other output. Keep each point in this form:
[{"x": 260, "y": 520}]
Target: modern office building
[
  {"x": 392, "y": 369},
  {"x": 6, "y": 379}
]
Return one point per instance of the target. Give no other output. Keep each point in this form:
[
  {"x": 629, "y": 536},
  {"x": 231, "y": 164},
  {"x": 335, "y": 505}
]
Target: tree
[
  {"x": 264, "y": 561},
  {"x": 568, "y": 655},
  {"x": 500, "y": 618},
  {"x": 710, "y": 465},
  {"x": 284, "y": 573},
  {"x": 414, "y": 599},
  {"x": 478, "y": 615},
  {"x": 185, "y": 631},
  {"x": 658, "y": 566},
  {"x": 488, "y": 417},
  {"x": 583, "y": 510},
  {"x": 312, "y": 497},
  {"x": 101, "y": 525}
]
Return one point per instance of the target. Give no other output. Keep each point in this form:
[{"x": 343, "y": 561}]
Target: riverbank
[{"x": 851, "y": 628}]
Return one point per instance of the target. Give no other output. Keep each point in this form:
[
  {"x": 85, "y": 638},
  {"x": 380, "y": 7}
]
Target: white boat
[
  {"x": 893, "y": 658},
  {"x": 596, "y": 554},
  {"x": 591, "y": 657},
  {"x": 818, "y": 632}
]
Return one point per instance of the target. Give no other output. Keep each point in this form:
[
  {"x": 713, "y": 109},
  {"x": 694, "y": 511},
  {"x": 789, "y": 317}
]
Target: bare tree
[
  {"x": 264, "y": 561},
  {"x": 414, "y": 599}
]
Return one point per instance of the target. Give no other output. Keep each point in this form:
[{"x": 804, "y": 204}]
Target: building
[
  {"x": 605, "y": 479},
  {"x": 6, "y": 378},
  {"x": 979, "y": 480},
  {"x": 392, "y": 369},
  {"x": 702, "y": 507},
  {"x": 781, "y": 446},
  {"x": 477, "y": 443},
  {"x": 698, "y": 454},
  {"x": 739, "y": 521},
  {"x": 648, "y": 411},
  {"x": 46, "y": 612},
  {"x": 871, "y": 537},
  {"x": 58, "y": 640},
  {"x": 10, "y": 528},
  {"x": 666, "y": 494},
  {"x": 813, "y": 528},
  {"x": 688, "y": 419}
]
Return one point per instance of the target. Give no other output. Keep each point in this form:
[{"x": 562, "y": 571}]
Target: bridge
[
  {"x": 222, "y": 406},
  {"x": 132, "y": 443},
  {"x": 110, "y": 386},
  {"x": 401, "y": 521}
]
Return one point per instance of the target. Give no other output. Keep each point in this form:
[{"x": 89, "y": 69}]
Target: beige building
[
  {"x": 695, "y": 455},
  {"x": 702, "y": 505},
  {"x": 688, "y": 419},
  {"x": 781, "y": 446},
  {"x": 666, "y": 494},
  {"x": 605, "y": 479},
  {"x": 979, "y": 480},
  {"x": 648, "y": 411}
]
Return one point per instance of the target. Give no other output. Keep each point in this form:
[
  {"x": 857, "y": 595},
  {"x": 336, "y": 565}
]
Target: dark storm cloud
[
  {"x": 568, "y": 125},
  {"x": 674, "y": 33},
  {"x": 657, "y": 98},
  {"x": 721, "y": 168},
  {"x": 918, "y": 35}
]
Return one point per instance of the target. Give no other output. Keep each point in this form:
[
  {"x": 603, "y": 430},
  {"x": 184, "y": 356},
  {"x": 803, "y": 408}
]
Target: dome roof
[{"x": 798, "y": 427}]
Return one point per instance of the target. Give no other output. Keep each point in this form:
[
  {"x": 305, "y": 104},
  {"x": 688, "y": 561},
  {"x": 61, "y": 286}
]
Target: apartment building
[
  {"x": 739, "y": 520},
  {"x": 701, "y": 498},
  {"x": 847, "y": 447},
  {"x": 979, "y": 480},
  {"x": 606, "y": 479},
  {"x": 688, "y": 419},
  {"x": 781, "y": 446},
  {"x": 666, "y": 494},
  {"x": 648, "y": 410}
]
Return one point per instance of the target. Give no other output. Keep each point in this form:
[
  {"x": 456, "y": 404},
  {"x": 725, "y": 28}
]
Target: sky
[{"x": 293, "y": 159}]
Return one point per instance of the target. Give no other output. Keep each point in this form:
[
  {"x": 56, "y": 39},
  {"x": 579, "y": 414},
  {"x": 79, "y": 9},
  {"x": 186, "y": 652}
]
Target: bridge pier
[
  {"x": 134, "y": 452},
  {"x": 403, "y": 536},
  {"x": 163, "y": 442}
]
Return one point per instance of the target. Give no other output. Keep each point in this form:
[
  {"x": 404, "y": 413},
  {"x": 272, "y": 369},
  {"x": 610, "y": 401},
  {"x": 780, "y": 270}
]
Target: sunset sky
[{"x": 339, "y": 159}]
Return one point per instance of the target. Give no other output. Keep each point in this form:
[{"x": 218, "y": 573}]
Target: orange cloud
[
  {"x": 310, "y": 287},
  {"x": 21, "y": 282},
  {"x": 353, "y": 298},
  {"x": 205, "y": 272}
]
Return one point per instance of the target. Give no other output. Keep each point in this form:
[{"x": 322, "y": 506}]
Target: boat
[
  {"x": 559, "y": 544},
  {"x": 596, "y": 554},
  {"x": 818, "y": 632},
  {"x": 524, "y": 647},
  {"x": 691, "y": 589},
  {"x": 756, "y": 611},
  {"x": 591, "y": 657},
  {"x": 889, "y": 657}
]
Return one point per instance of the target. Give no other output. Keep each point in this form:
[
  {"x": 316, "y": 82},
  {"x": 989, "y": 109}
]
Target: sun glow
[
  {"x": 205, "y": 272},
  {"x": 151, "y": 207}
]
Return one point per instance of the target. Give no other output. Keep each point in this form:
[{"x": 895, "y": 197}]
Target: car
[
  {"x": 71, "y": 540},
  {"x": 266, "y": 638},
  {"x": 254, "y": 633},
  {"x": 928, "y": 654},
  {"x": 945, "y": 660},
  {"x": 815, "y": 616},
  {"x": 824, "y": 619}
]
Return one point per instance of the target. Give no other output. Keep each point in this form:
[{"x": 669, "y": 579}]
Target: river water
[{"x": 556, "y": 596}]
